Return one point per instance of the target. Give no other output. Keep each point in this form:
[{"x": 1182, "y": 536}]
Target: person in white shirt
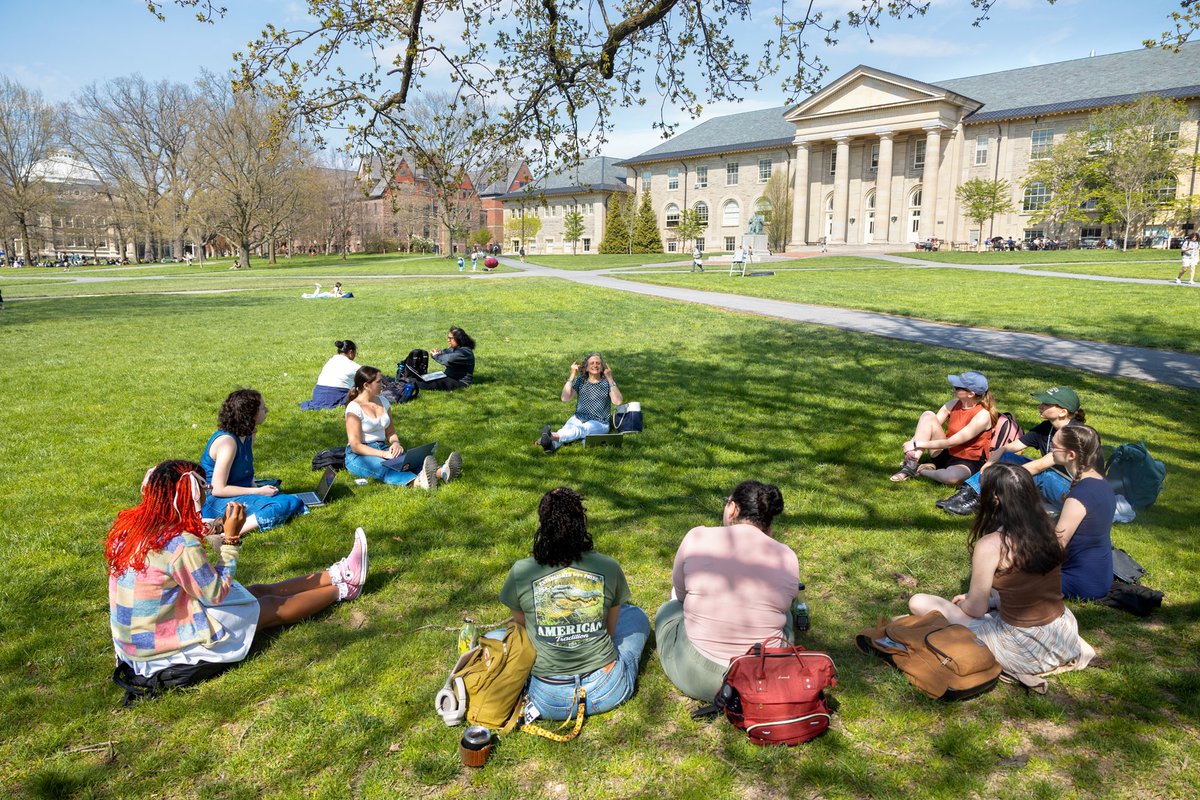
[{"x": 336, "y": 378}]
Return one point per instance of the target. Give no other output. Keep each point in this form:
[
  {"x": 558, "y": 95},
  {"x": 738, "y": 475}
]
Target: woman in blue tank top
[
  {"x": 1085, "y": 525},
  {"x": 228, "y": 462}
]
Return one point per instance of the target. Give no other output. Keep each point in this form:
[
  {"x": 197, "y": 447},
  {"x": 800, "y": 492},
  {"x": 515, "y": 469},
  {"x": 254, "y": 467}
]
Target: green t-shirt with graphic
[{"x": 565, "y": 609}]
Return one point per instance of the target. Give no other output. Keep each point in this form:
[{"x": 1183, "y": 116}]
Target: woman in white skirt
[
  {"x": 169, "y": 605},
  {"x": 1014, "y": 603}
]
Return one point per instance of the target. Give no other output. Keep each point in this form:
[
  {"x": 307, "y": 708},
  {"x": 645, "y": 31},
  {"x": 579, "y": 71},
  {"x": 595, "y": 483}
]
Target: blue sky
[{"x": 60, "y": 46}]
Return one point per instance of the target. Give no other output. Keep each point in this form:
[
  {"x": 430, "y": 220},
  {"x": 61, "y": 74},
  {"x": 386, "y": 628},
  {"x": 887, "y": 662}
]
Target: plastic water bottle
[
  {"x": 800, "y": 620},
  {"x": 467, "y": 637}
]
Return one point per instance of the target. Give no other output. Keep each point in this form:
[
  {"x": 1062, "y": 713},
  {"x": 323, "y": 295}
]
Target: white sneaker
[
  {"x": 1178, "y": 282},
  {"x": 1191, "y": 283},
  {"x": 427, "y": 477},
  {"x": 453, "y": 467}
]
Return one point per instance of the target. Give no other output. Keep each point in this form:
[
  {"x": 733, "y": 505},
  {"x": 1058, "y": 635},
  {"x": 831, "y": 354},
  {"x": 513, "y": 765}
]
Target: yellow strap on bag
[{"x": 581, "y": 695}]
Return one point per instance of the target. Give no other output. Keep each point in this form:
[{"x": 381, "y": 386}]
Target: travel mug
[{"x": 476, "y": 746}]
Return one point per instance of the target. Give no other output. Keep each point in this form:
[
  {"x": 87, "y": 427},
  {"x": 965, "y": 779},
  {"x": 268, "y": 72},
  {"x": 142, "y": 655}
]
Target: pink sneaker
[{"x": 351, "y": 571}]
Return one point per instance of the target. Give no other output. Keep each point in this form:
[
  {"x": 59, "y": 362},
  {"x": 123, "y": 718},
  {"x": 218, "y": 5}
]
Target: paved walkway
[{"x": 1139, "y": 363}]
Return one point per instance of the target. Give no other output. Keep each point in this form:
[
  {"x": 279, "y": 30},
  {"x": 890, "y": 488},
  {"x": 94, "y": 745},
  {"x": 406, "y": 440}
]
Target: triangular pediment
[{"x": 868, "y": 88}]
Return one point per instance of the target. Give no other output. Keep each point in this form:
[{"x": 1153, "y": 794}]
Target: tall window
[
  {"x": 730, "y": 243},
  {"x": 832, "y": 160},
  {"x": 700, "y": 243},
  {"x": 917, "y": 197},
  {"x": 1037, "y": 195},
  {"x": 764, "y": 170},
  {"x": 701, "y": 209},
  {"x": 701, "y": 177},
  {"x": 981, "y": 150},
  {"x": 731, "y": 214},
  {"x": 646, "y": 178},
  {"x": 918, "y": 154},
  {"x": 874, "y": 157},
  {"x": 673, "y": 178},
  {"x": 731, "y": 173},
  {"x": 1040, "y": 143},
  {"x": 672, "y": 216},
  {"x": 1164, "y": 188},
  {"x": 871, "y": 214}
]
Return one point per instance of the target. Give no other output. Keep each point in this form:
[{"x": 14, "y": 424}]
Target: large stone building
[{"x": 876, "y": 157}]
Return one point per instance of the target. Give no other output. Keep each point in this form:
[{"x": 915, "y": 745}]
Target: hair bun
[{"x": 771, "y": 499}]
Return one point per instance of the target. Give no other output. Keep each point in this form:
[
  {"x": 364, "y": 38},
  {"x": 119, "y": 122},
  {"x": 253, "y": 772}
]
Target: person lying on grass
[
  {"x": 336, "y": 378},
  {"x": 169, "y": 605},
  {"x": 574, "y": 603},
  {"x": 596, "y": 391},
  {"x": 956, "y": 451},
  {"x": 228, "y": 462},
  {"x": 731, "y": 586},
  {"x": 1059, "y": 408},
  {"x": 372, "y": 438},
  {"x": 1015, "y": 602},
  {"x": 1084, "y": 527}
]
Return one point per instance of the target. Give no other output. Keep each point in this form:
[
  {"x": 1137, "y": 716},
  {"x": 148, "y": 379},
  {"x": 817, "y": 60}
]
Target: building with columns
[{"x": 877, "y": 158}]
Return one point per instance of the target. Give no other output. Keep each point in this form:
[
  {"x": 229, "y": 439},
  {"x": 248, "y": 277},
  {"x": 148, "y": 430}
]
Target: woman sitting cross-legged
[
  {"x": 596, "y": 391},
  {"x": 1015, "y": 602},
  {"x": 228, "y": 462},
  {"x": 574, "y": 603},
  {"x": 1059, "y": 409},
  {"x": 958, "y": 451},
  {"x": 170, "y": 606},
  {"x": 336, "y": 378},
  {"x": 731, "y": 586},
  {"x": 1085, "y": 525},
  {"x": 372, "y": 438}
]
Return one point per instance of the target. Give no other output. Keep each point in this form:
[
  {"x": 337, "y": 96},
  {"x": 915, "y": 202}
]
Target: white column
[
  {"x": 883, "y": 189},
  {"x": 929, "y": 181},
  {"x": 841, "y": 189},
  {"x": 799, "y": 235}
]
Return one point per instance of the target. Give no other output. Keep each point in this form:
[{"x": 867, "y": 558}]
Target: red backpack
[
  {"x": 777, "y": 694},
  {"x": 1006, "y": 431}
]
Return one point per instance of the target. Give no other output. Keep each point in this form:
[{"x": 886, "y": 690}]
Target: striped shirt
[
  {"x": 161, "y": 609},
  {"x": 593, "y": 401}
]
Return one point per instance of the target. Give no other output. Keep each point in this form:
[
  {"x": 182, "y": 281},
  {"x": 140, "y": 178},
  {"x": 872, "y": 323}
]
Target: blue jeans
[
  {"x": 576, "y": 428},
  {"x": 606, "y": 688},
  {"x": 372, "y": 466},
  {"x": 1050, "y": 482}
]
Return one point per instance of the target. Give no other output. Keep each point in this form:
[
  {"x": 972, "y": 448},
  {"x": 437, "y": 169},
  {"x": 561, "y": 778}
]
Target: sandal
[{"x": 907, "y": 470}]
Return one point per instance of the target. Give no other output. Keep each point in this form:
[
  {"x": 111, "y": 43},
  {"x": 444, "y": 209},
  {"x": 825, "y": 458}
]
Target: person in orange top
[{"x": 955, "y": 437}]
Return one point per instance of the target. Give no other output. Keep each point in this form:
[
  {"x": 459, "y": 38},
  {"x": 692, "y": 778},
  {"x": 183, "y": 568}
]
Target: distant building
[
  {"x": 876, "y": 157},
  {"x": 402, "y": 202},
  {"x": 586, "y": 188},
  {"x": 78, "y": 220}
]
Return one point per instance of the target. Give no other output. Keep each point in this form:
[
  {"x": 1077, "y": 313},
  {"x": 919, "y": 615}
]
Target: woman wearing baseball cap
[
  {"x": 1059, "y": 407},
  {"x": 956, "y": 436}
]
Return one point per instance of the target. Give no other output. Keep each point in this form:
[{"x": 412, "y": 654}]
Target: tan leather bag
[{"x": 944, "y": 660}]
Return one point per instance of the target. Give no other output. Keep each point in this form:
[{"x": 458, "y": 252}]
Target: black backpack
[
  {"x": 416, "y": 360},
  {"x": 333, "y": 457},
  {"x": 136, "y": 687},
  {"x": 400, "y": 390}
]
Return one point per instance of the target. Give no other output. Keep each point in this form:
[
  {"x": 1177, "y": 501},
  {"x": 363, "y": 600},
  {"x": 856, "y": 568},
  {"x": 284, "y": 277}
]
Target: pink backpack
[{"x": 1006, "y": 431}]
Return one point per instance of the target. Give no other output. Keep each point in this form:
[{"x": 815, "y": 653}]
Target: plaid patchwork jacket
[{"x": 161, "y": 609}]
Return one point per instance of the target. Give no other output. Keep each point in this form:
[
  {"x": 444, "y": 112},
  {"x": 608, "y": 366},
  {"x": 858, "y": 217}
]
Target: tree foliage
[
  {"x": 646, "y": 236},
  {"x": 523, "y": 228},
  {"x": 29, "y": 136},
  {"x": 1072, "y": 177},
  {"x": 983, "y": 198},
  {"x": 616, "y": 226},
  {"x": 778, "y": 195},
  {"x": 691, "y": 226},
  {"x": 573, "y": 228}
]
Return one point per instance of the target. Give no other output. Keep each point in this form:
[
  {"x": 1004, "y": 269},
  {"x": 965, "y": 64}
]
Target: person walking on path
[
  {"x": 522, "y": 253},
  {"x": 1190, "y": 254},
  {"x": 824, "y": 244},
  {"x": 697, "y": 261}
]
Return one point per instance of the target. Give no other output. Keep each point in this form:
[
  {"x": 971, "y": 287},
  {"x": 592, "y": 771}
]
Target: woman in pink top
[{"x": 731, "y": 586}]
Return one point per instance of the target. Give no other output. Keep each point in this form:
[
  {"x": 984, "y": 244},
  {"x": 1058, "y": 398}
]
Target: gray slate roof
[
  {"x": 747, "y": 130},
  {"x": 595, "y": 174},
  {"x": 1081, "y": 83}
]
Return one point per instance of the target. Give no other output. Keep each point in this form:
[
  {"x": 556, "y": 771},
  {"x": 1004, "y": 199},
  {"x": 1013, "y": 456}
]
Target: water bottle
[
  {"x": 467, "y": 637},
  {"x": 800, "y": 620}
]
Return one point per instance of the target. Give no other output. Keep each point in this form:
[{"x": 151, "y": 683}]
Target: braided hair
[
  {"x": 170, "y": 506},
  {"x": 562, "y": 535}
]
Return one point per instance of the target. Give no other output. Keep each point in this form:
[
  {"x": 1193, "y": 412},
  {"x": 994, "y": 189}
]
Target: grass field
[
  {"x": 342, "y": 705},
  {"x": 1151, "y": 316},
  {"x": 1155, "y": 270},
  {"x": 1045, "y": 256},
  {"x": 597, "y": 261}
]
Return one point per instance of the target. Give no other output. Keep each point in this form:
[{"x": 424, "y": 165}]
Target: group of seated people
[{"x": 732, "y": 584}]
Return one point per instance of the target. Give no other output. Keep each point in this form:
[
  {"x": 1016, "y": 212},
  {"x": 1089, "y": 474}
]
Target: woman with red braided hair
[{"x": 170, "y": 606}]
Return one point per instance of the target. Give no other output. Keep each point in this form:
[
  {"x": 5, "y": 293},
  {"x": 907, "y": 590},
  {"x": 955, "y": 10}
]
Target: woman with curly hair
[
  {"x": 1015, "y": 601},
  {"x": 574, "y": 603},
  {"x": 457, "y": 360},
  {"x": 228, "y": 462},
  {"x": 170, "y": 606},
  {"x": 731, "y": 586}
]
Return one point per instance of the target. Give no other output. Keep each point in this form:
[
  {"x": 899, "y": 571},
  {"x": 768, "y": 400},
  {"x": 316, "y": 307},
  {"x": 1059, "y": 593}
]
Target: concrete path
[{"x": 1139, "y": 363}]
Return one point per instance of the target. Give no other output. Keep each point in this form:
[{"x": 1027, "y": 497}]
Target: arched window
[
  {"x": 915, "y": 198},
  {"x": 701, "y": 209},
  {"x": 731, "y": 214},
  {"x": 1037, "y": 195},
  {"x": 829, "y": 202},
  {"x": 672, "y": 216},
  {"x": 871, "y": 200}
]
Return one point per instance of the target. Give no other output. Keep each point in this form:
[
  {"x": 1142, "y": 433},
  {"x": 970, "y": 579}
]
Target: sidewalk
[{"x": 1123, "y": 361}]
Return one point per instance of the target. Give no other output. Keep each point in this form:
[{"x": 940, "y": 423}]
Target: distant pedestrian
[
  {"x": 522, "y": 253},
  {"x": 461, "y": 264},
  {"x": 1190, "y": 254},
  {"x": 697, "y": 259},
  {"x": 824, "y": 244},
  {"x": 474, "y": 259}
]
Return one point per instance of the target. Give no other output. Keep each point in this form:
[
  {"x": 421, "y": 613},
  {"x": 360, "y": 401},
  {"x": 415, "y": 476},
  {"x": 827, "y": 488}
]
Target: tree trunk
[
  {"x": 24, "y": 226},
  {"x": 271, "y": 249},
  {"x": 244, "y": 254}
]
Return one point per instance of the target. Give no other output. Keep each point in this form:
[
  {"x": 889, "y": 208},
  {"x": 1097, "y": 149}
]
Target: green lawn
[
  {"x": 342, "y": 705},
  {"x": 1151, "y": 316},
  {"x": 1044, "y": 256},
  {"x": 597, "y": 261},
  {"x": 1155, "y": 270}
]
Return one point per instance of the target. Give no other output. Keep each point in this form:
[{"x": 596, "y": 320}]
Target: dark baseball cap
[
  {"x": 1061, "y": 396},
  {"x": 971, "y": 381}
]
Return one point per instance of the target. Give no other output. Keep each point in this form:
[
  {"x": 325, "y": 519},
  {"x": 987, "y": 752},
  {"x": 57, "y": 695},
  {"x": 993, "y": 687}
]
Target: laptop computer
[
  {"x": 432, "y": 376},
  {"x": 317, "y": 497},
  {"x": 410, "y": 460}
]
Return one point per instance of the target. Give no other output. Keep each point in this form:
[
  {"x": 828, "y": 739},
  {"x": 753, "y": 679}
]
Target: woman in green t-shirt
[{"x": 574, "y": 603}]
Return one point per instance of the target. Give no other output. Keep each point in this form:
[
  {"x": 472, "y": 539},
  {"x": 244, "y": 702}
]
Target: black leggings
[{"x": 440, "y": 385}]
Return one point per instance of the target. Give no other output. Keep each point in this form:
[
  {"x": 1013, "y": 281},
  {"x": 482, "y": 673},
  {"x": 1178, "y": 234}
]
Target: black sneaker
[
  {"x": 546, "y": 441},
  {"x": 965, "y": 505},
  {"x": 962, "y": 489}
]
